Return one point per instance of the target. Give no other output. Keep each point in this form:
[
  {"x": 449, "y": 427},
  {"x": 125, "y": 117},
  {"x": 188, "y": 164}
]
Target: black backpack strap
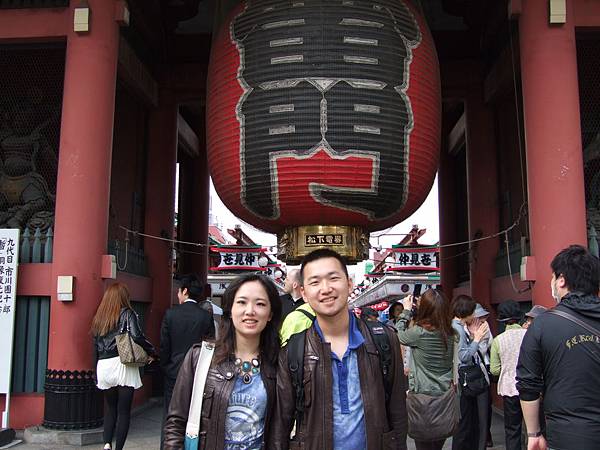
[
  {"x": 307, "y": 314},
  {"x": 384, "y": 350},
  {"x": 295, "y": 355},
  {"x": 576, "y": 320}
]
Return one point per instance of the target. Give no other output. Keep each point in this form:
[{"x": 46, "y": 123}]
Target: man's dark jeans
[{"x": 513, "y": 418}]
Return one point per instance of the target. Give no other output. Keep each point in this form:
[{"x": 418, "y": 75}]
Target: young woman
[
  {"x": 239, "y": 393},
  {"x": 118, "y": 381},
  {"x": 472, "y": 429},
  {"x": 431, "y": 341}
]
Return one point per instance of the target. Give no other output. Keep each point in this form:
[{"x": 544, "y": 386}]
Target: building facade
[{"x": 101, "y": 100}]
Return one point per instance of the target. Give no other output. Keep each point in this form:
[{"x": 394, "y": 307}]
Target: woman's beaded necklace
[{"x": 246, "y": 369}]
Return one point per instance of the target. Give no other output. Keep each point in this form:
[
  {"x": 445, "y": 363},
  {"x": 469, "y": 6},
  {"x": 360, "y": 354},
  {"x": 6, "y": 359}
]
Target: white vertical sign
[{"x": 9, "y": 257}]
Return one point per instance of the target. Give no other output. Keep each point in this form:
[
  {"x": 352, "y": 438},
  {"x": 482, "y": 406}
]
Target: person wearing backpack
[
  {"x": 343, "y": 385},
  {"x": 432, "y": 402}
]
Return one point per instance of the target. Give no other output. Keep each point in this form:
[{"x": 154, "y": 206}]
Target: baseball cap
[
  {"x": 480, "y": 311},
  {"x": 536, "y": 311}
]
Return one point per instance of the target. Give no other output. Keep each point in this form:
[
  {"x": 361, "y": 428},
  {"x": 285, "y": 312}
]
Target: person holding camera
[{"x": 432, "y": 342}]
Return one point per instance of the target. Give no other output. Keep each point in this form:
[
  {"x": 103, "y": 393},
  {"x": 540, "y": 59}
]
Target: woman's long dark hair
[
  {"x": 269, "y": 338},
  {"x": 434, "y": 314}
]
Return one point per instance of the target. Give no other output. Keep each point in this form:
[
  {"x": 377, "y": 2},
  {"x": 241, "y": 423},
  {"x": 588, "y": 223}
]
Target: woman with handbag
[
  {"x": 224, "y": 401},
  {"x": 473, "y": 379},
  {"x": 431, "y": 403},
  {"x": 116, "y": 321}
]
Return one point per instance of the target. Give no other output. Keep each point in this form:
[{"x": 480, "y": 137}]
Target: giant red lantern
[{"x": 323, "y": 118}]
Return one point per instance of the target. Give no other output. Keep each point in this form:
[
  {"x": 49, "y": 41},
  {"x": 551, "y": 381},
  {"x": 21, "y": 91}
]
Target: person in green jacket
[
  {"x": 432, "y": 341},
  {"x": 297, "y": 321}
]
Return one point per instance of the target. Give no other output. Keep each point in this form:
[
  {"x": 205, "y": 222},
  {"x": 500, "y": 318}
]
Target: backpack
[{"x": 295, "y": 353}]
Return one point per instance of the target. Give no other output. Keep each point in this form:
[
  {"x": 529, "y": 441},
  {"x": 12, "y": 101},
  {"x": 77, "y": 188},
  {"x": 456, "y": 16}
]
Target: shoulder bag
[
  {"x": 472, "y": 379},
  {"x": 433, "y": 418},
  {"x": 192, "y": 428},
  {"x": 130, "y": 353}
]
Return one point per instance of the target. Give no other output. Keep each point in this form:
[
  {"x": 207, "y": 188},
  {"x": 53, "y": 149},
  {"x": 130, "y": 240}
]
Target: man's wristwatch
[{"x": 534, "y": 435}]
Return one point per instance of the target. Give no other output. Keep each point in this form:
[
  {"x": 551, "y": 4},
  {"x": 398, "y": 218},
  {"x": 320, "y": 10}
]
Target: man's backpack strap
[
  {"x": 295, "y": 355},
  {"x": 576, "y": 320},
  {"x": 384, "y": 349}
]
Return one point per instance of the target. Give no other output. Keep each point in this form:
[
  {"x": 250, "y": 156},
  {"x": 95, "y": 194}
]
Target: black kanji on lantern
[{"x": 326, "y": 74}]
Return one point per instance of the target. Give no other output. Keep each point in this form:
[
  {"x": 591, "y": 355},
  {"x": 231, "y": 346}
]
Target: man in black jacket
[
  {"x": 183, "y": 325},
  {"x": 292, "y": 298},
  {"x": 561, "y": 359}
]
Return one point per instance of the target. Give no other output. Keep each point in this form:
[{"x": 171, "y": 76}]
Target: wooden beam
[
  {"x": 136, "y": 75},
  {"x": 456, "y": 138},
  {"x": 500, "y": 78},
  {"x": 26, "y": 24},
  {"x": 188, "y": 140}
]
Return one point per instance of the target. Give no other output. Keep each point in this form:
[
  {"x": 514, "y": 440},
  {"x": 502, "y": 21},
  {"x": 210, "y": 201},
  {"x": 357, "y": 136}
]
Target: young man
[
  {"x": 560, "y": 357},
  {"x": 503, "y": 363},
  {"x": 344, "y": 405},
  {"x": 183, "y": 325}
]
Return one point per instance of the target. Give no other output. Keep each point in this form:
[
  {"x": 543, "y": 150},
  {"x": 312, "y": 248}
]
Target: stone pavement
[{"x": 144, "y": 433}]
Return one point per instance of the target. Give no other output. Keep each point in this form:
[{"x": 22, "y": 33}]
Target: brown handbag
[
  {"x": 130, "y": 353},
  {"x": 432, "y": 418}
]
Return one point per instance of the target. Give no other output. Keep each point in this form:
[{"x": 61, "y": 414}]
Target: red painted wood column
[
  {"x": 160, "y": 209},
  {"x": 446, "y": 201},
  {"x": 201, "y": 192},
  {"x": 482, "y": 193},
  {"x": 557, "y": 214},
  {"x": 83, "y": 184}
]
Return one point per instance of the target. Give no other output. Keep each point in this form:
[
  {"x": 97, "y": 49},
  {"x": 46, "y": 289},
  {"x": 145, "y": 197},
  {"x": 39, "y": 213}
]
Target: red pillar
[
  {"x": 201, "y": 192},
  {"x": 446, "y": 201},
  {"x": 482, "y": 193},
  {"x": 83, "y": 184},
  {"x": 557, "y": 215},
  {"x": 160, "y": 209}
]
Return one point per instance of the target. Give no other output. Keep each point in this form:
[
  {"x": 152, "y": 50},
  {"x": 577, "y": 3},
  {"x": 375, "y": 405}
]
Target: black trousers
[
  {"x": 117, "y": 414},
  {"x": 472, "y": 428},
  {"x": 169, "y": 385},
  {"x": 513, "y": 418}
]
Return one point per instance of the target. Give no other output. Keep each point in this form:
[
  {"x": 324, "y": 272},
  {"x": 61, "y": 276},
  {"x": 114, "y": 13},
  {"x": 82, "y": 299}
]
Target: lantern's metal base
[{"x": 352, "y": 242}]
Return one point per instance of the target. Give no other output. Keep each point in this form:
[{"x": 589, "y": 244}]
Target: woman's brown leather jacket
[{"x": 219, "y": 385}]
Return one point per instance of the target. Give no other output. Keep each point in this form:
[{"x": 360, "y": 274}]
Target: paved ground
[{"x": 144, "y": 434}]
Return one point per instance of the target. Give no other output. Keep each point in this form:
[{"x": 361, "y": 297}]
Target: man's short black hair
[
  {"x": 463, "y": 306},
  {"x": 320, "y": 254},
  {"x": 195, "y": 288},
  {"x": 579, "y": 268}
]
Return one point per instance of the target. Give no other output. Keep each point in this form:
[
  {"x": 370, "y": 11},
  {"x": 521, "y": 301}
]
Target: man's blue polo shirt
[{"x": 348, "y": 413}]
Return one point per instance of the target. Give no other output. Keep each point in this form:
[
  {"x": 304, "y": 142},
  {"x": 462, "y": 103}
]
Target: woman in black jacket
[
  {"x": 117, "y": 380},
  {"x": 239, "y": 393}
]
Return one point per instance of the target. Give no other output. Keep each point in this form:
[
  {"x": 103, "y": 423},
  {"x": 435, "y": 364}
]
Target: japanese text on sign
[
  {"x": 428, "y": 260},
  {"x": 323, "y": 239},
  {"x": 9, "y": 256},
  {"x": 243, "y": 260}
]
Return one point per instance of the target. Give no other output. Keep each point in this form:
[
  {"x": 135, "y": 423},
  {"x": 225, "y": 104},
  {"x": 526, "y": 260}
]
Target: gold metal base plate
[{"x": 294, "y": 243}]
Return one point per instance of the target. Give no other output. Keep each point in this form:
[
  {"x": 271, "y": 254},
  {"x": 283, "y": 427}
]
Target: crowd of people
[{"x": 302, "y": 371}]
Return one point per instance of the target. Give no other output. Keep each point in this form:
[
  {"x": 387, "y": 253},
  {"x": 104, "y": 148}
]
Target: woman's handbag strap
[{"x": 192, "y": 428}]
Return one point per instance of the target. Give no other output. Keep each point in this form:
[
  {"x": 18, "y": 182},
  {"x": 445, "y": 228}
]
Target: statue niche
[{"x": 26, "y": 199}]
